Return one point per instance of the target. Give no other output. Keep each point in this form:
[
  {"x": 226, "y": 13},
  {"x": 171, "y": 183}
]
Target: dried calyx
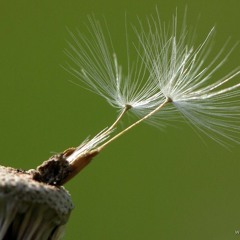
[{"x": 58, "y": 170}]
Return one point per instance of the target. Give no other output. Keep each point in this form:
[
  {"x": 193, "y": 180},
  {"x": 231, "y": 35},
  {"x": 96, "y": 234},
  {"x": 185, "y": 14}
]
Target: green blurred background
[{"x": 148, "y": 184}]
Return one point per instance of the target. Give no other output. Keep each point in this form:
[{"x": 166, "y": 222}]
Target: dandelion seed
[
  {"x": 95, "y": 64},
  {"x": 185, "y": 74}
]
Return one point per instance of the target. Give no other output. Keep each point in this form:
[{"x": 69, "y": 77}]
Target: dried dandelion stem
[
  {"x": 134, "y": 124},
  {"x": 126, "y": 108}
]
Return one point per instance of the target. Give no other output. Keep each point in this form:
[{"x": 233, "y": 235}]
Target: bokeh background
[{"x": 148, "y": 184}]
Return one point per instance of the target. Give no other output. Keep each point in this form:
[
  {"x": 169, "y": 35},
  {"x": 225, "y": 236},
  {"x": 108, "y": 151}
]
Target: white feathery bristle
[
  {"x": 185, "y": 74},
  {"x": 167, "y": 66},
  {"x": 95, "y": 63},
  {"x": 88, "y": 145}
]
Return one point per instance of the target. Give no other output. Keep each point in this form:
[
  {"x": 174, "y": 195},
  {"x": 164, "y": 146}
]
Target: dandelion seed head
[{"x": 169, "y": 68}]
